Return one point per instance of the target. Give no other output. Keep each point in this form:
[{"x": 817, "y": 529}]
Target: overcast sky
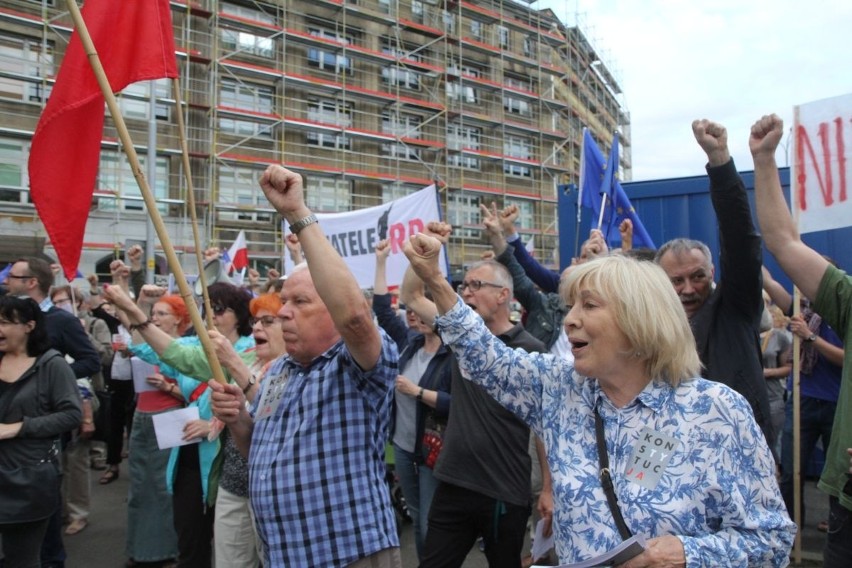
[{"x": 730, "y": 61}]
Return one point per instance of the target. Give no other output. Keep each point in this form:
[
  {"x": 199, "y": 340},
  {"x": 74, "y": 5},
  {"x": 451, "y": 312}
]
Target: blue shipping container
[{"x": 681, "y": 207}]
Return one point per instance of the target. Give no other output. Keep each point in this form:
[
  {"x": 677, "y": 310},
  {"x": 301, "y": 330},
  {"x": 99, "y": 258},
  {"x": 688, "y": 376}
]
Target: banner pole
[{"x": 190, "y": 197}]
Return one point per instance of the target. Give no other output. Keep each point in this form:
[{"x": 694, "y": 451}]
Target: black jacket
[
  {"x": 727, "y": 326},
  {"x": 66, "y": 335}
]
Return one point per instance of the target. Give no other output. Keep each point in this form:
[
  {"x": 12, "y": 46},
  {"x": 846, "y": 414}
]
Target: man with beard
[{"x": 725, "y": 318}]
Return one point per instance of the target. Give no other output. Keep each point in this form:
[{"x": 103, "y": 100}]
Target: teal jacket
[{"x": 209, "y": 457}]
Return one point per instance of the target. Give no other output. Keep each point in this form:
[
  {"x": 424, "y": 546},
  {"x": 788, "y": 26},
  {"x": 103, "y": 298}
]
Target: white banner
[
  {"x": 355, "y": 233},
  {"x": 822, "y": 164}
]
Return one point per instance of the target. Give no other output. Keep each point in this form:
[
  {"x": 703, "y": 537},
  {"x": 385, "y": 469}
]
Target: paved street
[{"x": 101, "y": 544}]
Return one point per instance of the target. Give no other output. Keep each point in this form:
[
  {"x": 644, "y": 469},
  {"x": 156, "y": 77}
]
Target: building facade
[{"x": 369, "y": 99}]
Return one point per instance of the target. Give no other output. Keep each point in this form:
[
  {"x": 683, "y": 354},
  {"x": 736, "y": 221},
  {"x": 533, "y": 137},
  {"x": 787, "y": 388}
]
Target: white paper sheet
[
  {"x": 141, "y": 372},
  {"x": 168, "y": 426},
  {"x": 541, "y": 544}
]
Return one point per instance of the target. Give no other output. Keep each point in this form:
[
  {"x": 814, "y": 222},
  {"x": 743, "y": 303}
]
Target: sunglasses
[{"x": 219, "y": 309}]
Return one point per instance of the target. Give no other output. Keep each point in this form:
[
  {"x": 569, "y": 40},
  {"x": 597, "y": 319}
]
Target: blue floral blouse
[{"x": 688, "y": 461}]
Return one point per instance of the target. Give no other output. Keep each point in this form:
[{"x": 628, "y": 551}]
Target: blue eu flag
[{"x": 599, "y": 176}]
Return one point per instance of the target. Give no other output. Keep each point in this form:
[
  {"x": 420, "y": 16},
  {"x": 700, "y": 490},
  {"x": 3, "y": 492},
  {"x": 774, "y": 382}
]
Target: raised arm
[
  {"x": 333, "y": 280},
  {"x": 544, "y": 278},
  {"x": 412, "y": 291},
  {"x": 134, "y": 318},
  {"x": 801, "y": 263},
  {"x": 385, "y": 314},
  {"x": 740, "y": 253},
  {"x": 780, "y": 297}
]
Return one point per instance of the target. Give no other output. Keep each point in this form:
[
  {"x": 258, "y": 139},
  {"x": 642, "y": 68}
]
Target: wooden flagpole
[
  {"x": 190, "y": 191},
  {"x": 797, "y": 397},
  {"x": 148, "y": 197}
]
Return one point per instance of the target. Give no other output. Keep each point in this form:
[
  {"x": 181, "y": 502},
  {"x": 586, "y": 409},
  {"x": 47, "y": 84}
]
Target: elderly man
[
  {"x": 316, "y": 434},
  {"x": 484, "y": 466},
  {"x": 725, "y": 319},
  {"x": 831, "y": 291}
]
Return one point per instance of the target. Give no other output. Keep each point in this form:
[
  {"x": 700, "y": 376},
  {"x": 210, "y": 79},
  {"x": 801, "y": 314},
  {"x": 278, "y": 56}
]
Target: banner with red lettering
[
  {"x": 822, "y": 164},
  {"x": 355, "y": 233}
]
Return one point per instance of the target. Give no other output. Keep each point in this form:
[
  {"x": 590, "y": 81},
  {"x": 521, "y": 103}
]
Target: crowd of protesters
[{"x": 637, "y": 397}]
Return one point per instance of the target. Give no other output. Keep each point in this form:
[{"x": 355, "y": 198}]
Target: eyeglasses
[
  {"x": 219, "y": 309},
  {"x": 475, "y": 285},
  {"x": 161, "y": 314},
  {"x": 24, "y": 277},
  {"x": 265, "y": 321}
]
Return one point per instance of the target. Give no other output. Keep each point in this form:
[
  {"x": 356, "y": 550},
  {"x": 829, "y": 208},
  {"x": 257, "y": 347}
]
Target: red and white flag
[
  {"x": 135, "y": 42},
  {"x": 238, "y": 254}
]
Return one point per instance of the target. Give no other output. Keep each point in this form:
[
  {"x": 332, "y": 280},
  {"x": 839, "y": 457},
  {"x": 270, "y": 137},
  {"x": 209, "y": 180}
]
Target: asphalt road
[{"x": 101, "y": 544}]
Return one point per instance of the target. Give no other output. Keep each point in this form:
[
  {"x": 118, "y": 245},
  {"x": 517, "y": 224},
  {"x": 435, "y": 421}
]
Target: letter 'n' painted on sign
[{"x": 824, "y": 176}]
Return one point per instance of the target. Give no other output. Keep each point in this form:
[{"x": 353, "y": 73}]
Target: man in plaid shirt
[{"x": 316, "y": 433}]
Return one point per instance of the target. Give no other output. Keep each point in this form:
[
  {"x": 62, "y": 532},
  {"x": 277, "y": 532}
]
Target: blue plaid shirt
[{"x": 317, "y": 464}]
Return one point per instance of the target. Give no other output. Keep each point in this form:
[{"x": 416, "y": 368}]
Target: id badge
[{"x": 270, "y": 400}]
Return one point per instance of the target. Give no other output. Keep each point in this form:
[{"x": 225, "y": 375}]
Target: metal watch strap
[
  {"x": 302, "y": 223},
  {"x": 606, "y": 479}
]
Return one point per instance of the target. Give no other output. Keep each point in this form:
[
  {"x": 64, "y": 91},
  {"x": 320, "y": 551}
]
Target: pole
[
  {"x": 797, "y": 421},
  {"x": 190, "y": 197},
  {"x": 150, "y": 203},
  {"x": 152, "y": 176}
]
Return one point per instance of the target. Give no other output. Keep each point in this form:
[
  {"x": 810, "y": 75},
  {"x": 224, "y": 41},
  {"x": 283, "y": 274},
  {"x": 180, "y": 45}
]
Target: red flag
[{"x": 135, "y": 42}]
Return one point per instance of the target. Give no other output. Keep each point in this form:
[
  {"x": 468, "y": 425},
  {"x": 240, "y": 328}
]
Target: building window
[
  {"x": 503, "y": 37},
  {"x": 463, "y": 214},
  {"x": 516, "y": 106},
  {"x": 476, "y": 29},
  {"x": 385, "y": 6},
  {"x": 248, "y": 13},
  {"x": 13, "y": 170},
  {"x": 246, "y": 96},
  {"x": 330, "y": 113},
  {"x": 529, "y": 46},
  {"x": 244, "y": 42},
  {"x": 417, "y": 11},
  {"x": 395, "y": 190},
  {"x": 328, "y": 194},
  {"x": 517, "y": 147},
  {"x": 449, "y": 22},
  {"x": 464, "y": 93},
  {"x": 401, "y": 124},
  {"x": 399, "y": 75},
  {"x": 24, "y": 63},
  {"x": 134, "y": 100},
  {"x": 250, "y": 97},
  {"x": 239, "y": 189},
  {"x": 115, "y": 175},
  {"x": 404, "y": 126},
  {"x": 329, "y": 60},
  {"x": 462, "y": 138}
]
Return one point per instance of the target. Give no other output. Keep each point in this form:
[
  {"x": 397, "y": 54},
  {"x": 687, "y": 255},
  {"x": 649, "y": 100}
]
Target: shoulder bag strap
[{"x": 606, "y": 479}]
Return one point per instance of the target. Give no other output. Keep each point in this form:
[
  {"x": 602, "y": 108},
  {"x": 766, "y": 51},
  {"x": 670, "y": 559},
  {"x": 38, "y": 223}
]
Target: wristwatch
[
  {"x": 302, "y": 223},
  {"x": 811, "y": 339},
  {"x": 251, "y": 382},
  {"x": 420, "y": 394}
]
